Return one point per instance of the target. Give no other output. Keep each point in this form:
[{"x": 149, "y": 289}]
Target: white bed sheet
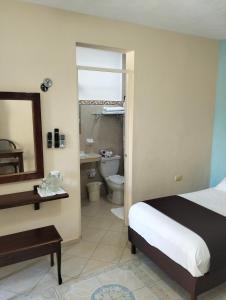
[{"x": 179, "y": 243}]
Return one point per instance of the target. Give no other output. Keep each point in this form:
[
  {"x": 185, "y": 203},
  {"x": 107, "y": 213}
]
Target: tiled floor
[
  {"x": 101, "y": 257},
  {"x": 103, "y": 234},
  {"x": 103, "y": 245}
]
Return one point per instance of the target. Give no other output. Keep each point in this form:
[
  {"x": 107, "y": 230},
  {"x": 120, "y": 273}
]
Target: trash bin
[{"x": 94, "y": 191}]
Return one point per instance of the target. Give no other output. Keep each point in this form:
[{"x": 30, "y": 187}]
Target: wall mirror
[{"x": 21, "y": 150}]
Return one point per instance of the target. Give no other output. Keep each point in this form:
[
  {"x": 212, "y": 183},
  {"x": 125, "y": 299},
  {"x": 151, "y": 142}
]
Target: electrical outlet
[
  {"x": 89, "y": 141},
  {"x": 178, "y": 178}
]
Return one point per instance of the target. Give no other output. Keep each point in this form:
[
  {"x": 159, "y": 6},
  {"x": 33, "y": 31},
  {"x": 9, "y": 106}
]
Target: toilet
[{"x": 109, "y": 167}]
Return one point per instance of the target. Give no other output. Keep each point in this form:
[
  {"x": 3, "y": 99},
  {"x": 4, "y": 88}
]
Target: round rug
[{"x": 113, "y": 291}]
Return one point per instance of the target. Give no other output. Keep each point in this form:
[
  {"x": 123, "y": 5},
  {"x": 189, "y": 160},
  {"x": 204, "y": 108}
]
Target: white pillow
[{"x": 222, "y": 185}]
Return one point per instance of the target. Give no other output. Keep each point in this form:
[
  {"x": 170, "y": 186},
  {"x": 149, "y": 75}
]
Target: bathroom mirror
[{"x": 21, "y": 153}]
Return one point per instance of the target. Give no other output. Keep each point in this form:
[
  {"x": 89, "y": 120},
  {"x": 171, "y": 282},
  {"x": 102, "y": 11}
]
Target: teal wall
[{"x": 218, "y": 163}]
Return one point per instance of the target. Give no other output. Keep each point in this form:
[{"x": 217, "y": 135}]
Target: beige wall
[
  {"x": 107, "y": 132},
  {"x": 173, "y": 109}
]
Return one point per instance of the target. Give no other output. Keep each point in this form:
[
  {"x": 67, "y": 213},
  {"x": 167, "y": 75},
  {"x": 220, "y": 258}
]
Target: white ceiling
[{"x": 199, "y": 17}]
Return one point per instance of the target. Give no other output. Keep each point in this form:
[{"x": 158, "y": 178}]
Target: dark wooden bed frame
[{"x": 194, "y": 285}]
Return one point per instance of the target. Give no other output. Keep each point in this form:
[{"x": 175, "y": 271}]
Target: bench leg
[
  {"x": 59, "y": 265},
  {"x": 133, "y": 249},
  {"x": 52, "y": 259}
]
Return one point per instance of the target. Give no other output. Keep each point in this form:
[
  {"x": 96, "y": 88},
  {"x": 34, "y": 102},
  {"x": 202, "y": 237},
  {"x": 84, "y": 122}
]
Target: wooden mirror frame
[{"x": 37, "y": 131}]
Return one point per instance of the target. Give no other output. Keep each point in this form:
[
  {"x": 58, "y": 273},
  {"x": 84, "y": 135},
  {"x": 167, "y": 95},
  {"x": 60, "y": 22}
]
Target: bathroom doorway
[{"x": 105, "y": 85}]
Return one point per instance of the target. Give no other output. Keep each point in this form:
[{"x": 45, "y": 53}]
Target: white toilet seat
[{"x": 117, "y": 179}]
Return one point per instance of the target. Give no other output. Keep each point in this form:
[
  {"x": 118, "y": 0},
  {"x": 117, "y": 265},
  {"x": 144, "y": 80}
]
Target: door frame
[{"x": 128, "y": 131}]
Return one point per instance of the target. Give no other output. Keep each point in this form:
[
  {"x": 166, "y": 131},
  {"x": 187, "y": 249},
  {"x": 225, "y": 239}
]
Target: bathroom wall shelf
[
  {"x": 89, "y": 157},
  {"x": 99, "y": 115},
  {"x": 26, "y": 198}
]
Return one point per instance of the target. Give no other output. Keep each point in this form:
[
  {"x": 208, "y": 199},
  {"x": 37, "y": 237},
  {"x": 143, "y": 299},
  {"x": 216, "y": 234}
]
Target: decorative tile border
[{"x": 101, "y": 102}]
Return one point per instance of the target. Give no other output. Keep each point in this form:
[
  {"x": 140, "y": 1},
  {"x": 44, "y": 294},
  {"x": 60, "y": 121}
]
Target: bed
[{"x": 178, "y": 250}]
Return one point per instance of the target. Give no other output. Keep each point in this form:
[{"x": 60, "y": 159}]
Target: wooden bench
[{"x": 30, "y": 244}]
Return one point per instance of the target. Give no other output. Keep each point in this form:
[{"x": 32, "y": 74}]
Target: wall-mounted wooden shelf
[{"x": 26, "y": 198}]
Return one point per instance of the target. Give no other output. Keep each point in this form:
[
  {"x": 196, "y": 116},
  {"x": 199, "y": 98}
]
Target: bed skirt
[{"x": 194, "y": 285}]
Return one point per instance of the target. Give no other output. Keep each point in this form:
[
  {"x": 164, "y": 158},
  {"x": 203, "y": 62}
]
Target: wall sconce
[{"x": 46, "y": 84}]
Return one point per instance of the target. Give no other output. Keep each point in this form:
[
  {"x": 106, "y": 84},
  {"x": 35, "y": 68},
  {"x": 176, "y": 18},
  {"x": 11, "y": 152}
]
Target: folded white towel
[
  {"x": 113, "y": 108},
  {"x": 119, "y": 112}
]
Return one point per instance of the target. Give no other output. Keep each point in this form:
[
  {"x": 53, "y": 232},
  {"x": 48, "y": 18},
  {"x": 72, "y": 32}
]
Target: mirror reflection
[{"x": 17, "y": 154}]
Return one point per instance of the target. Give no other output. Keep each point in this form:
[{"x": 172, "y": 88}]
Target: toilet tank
[{"x": 109, "y": 165}]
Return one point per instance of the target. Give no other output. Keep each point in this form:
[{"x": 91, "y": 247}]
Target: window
[{"x": 100, "y": 74}]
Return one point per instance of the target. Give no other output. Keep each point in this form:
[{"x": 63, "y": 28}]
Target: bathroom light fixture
[{"x": 46, "y": 84}]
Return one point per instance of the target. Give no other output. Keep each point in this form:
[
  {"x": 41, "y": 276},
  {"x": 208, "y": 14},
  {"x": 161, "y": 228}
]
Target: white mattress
[{"x": 179, "y": 243}]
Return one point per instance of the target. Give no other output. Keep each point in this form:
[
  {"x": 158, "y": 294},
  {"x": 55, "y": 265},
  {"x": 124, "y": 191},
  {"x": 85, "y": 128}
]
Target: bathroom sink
[{"x": 89, "y": 157}]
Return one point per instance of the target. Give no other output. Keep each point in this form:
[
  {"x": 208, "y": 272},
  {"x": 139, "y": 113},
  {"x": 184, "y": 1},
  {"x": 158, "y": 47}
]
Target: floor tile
[
  {"x": 83, "y": 290},
  {"x": 123, "y": 277},
  {"x": 89, "y": 211},
  {"x": 24, "y": 297},
  {"x": 115, "y": 238},
  {"x": 5, "y": 295},
  {"x": 107, "y": 253},
  {"x": 218, "y": 293},
  {"x": 96, "y": 266},
  {"x": 169, "y": 290},
  {"x": 126, "y": 255},
  {"x": 25, "y": 279},
  {"x": 151, "y": 272},
  {"x": 107, "y": 213},
  {"x": 103, "y": 223},
  {"x": 82, "y": 249},
  {"x": 145, "y": 294},
  {"x": 72, "y": 266},
  {"x": 9, "y": 270},
  {"x": 92, "y": 234},
  {"x": 48, "y": 281},
  {"x": 118, "y": 225}
]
